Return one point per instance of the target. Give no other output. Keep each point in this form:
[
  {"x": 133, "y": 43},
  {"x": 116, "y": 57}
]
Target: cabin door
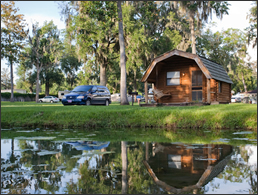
[{"x": 197, "y": 86}]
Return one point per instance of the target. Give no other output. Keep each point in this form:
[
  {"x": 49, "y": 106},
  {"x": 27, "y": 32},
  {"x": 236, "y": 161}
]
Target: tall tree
[
  {"x": 49, "y": 76},
  {"x": 12, "y": 35},
  {"x": 97, "y": 33},
  {"x": 229, "y": 49},
  {"x": 70, "y": 65},
  {"x": 24, "y": 72},
  {"x": 71, "y": 59},
  {"x": 252, "y": 29},
  {"x": 50, "y": 72},
  {"x": 123, "y": 89},
  {"x": 41, "y": 49},
  {"x": 199, "y": 11}
]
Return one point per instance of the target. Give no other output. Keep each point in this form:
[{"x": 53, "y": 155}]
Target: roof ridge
[{"x": 210, "y": 60}]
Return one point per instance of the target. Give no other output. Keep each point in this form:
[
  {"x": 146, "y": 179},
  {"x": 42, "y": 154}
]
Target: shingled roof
[
  {"x": 209, "y": 68},
  {"x": 216, "y": 70}
]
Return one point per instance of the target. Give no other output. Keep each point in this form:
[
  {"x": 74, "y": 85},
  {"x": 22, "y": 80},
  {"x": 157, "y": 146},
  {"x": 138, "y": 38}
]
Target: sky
[{"x": 41, "y": 11}]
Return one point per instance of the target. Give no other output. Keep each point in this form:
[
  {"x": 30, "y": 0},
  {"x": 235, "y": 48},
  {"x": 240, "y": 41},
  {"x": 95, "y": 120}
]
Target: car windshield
[{"x": 82, "y": 89}]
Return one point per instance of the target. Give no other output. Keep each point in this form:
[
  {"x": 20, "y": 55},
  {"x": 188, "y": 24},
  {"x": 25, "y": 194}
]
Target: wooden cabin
[
  {"x": 178, "y": 167},
  {"x": 179, "y": 77}
]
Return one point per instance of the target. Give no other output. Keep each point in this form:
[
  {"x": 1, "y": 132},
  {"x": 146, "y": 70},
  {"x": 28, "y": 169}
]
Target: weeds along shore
[{"x": 222, "y": 116}]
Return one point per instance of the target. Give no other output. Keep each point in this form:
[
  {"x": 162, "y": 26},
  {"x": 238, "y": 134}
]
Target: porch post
[
  {"x": 208, "y": 91},
  {"x": 146, "y": 92}
]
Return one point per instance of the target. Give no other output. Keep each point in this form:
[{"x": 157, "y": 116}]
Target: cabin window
[
  {"x": 173, "y": 78},
  {"x": 197, "y": 86},
  {"x": 197, "y": 78},
  {"x": 220, "y": 86},
  {"x": 196, "y": 96}
]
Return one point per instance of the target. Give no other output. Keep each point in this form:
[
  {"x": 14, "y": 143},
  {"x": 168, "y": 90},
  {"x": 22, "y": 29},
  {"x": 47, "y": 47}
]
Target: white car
[
  {"x": 116, "y": 97},
  {"x": 233, "y": 99},
  {"x": 50, "y": 99}
]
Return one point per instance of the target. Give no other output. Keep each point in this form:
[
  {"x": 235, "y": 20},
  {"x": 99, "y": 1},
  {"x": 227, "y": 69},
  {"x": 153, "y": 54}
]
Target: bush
[{"x": 24, "y": 95}]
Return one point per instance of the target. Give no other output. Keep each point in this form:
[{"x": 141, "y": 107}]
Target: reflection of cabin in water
[
  {"x": 181, "y": 77},
  {"x": 180, "y": 168}
]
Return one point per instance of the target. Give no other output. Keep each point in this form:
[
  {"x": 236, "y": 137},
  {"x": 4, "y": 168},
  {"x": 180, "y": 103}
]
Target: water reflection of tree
[
  {"x": 99, "y": 180},
  {"x": 49, "y": 181},
  {"x": 109, "y": 181},
  {"x": 124, "y": 167},
  {"x": 238, "y": 169},
  {"x": 15, "y": 183}
]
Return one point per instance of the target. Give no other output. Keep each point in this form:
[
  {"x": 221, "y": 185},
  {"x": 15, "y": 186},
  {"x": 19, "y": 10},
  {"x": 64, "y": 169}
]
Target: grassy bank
[{"x": 224, "y": 116}]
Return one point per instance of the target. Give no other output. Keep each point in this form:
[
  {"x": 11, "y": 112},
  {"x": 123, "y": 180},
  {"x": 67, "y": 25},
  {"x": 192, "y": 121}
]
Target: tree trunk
[
  {"x": 11, "y": 71},
  {"x": 124, "y": 166},
  {"x": 31, "y": 89},
  {"x": 103, "y": 74},
  {"x": 11, "y": 66},
  {"x": 47, "y": 87},
  {"x": 37, "y": 86},
  {"x": 134, "y": 81},
  {"x": 243, "y": 81},
  {"x": 192, "y": 33},
  {"x": 123, "y": 90}
]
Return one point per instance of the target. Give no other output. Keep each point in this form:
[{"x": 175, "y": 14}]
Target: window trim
[{"x": 175, "y": 78}]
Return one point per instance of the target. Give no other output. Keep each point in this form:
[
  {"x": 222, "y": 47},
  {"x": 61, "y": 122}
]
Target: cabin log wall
[
  {"x": 224, "y": 96},
  {"x": 183, "y": 92}
]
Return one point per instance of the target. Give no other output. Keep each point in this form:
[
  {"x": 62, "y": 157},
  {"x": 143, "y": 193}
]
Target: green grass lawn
[{"x": 223, "y": 116}]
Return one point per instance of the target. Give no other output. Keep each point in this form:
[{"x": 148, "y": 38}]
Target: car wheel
[
  {"x": 40, "y": 101},
  {"x": 51, "y": 101},
  {"x": 88, "y": 103},
  {"x": 107, "y": 103}
]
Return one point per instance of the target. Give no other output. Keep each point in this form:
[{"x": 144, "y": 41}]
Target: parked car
[
  {"x": 116, "y": 97},
  {"x": 62, "y": 93},
  {"x": 253, "y": 101},
  {"x": 142, "y": 99},
  {"x": 236, "y": 99},
  {"x": 50, "y": 99},
  {"x": 87, "y": 95}
]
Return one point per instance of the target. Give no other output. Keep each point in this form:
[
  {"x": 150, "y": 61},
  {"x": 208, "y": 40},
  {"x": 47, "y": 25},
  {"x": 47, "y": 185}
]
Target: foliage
[
  {"x": 148, "y": 26},
  {"x": 12, "y": 35},
  {"x": 229, "y": 49},
  {"x": 199, "y": 11},
  {"x": 30, "y": 95},
  {"x": 44, "y": 46},
  {"x": 27, "y": 77},
  {"x": 5, "y": 79},
  {"x": 12, "y": 32},
  {"x": 51, "y": 76},
  {"x": 252, "y": 29},
  {"x": 70, "y": 65},
  {"x": 97, "y": 33}
]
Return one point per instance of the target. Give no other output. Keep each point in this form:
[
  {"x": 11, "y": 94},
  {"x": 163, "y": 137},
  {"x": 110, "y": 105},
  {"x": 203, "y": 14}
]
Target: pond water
[{"x": 50, "y": 161}]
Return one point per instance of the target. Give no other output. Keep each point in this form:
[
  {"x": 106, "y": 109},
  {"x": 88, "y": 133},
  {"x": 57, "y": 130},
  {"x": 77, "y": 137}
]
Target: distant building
[{"x": 15, "y": 90}]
